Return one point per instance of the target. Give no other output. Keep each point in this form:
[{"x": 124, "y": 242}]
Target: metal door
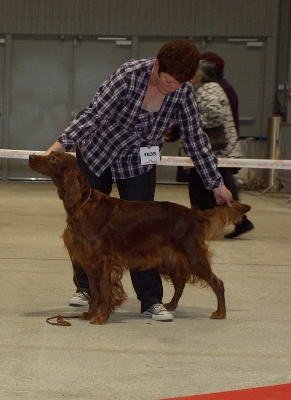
[
  {"x": 39, "y": 97},
  {"x": 94, "y": 61},
  {"x": 51, "y": 81}
]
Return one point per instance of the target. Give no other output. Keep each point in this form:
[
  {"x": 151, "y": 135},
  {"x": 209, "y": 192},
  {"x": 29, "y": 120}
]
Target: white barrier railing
[{"x": 178, "y": 161}]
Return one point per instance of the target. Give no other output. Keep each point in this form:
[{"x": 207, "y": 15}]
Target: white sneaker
[
  {"x": 158, "y": 313},
  {"x": 79, "y": 299}
]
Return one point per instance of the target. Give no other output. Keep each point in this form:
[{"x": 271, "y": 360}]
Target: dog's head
[
  {"x": 54, "y": 165},
  {"x": 62, "y": 168}
]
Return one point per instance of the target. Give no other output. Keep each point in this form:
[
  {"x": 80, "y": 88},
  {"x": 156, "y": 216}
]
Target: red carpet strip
[{"x": 277, "y": 392}]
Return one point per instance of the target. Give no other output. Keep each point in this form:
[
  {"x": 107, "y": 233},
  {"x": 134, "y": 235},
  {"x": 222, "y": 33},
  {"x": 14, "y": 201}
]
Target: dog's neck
[
  {"x": 89, "y": 198},
  {"x": 74, "y": 190}
]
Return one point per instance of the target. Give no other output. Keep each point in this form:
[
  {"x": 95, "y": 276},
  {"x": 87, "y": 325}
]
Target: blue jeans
[{"x": 147, "y": 284}]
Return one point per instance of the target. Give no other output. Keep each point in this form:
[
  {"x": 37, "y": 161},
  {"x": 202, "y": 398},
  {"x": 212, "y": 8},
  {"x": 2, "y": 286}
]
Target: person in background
[
  {"x": 224, "y": 83},
  {"x": 215, "y": 110},
  {"x": 245, "y": 225},
  {"x": 128, "y": 115}
]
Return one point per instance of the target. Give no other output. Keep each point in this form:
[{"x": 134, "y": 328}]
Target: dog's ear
[{"x": 72, "y": 187}]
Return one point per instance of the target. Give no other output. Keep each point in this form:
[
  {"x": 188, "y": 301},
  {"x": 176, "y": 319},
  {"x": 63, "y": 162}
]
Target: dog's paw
[
  {"x": 218, "y": 315},
  {"x": 98, "y": 320}
]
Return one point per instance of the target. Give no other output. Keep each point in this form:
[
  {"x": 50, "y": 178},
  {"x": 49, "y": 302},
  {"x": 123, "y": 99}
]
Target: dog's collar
[{"x": 86, "y": 201}]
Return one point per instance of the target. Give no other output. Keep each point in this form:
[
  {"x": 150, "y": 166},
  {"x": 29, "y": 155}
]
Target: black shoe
[{"x": 241, "y": 227}]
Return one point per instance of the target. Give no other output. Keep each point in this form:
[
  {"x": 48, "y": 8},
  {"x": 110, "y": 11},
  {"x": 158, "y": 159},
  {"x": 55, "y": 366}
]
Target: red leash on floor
[{"x": 60, "y": 320}]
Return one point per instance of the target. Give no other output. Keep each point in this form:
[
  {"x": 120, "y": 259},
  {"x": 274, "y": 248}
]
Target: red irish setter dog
[{"x": 106, "y": 235}]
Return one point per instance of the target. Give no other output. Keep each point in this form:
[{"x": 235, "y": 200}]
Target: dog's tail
[{"x": 214, "y": 220}]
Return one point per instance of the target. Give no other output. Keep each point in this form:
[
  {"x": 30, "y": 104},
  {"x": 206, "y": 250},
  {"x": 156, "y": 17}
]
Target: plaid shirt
[{"x": 111, "y": 130}]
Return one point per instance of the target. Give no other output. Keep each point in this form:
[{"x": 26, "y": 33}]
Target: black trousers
[
  {"x": 147, "y": 284},
  {"x": 204, "y": 198}
]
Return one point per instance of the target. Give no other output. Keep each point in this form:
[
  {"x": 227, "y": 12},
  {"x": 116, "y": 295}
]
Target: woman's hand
[
  {"x": 223, "y": 195},
  {"x": 57, "y": 146}
]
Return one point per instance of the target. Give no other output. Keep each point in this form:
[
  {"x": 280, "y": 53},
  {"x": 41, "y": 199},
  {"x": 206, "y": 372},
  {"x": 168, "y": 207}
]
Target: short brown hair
[{"x": 179, "y": 58}]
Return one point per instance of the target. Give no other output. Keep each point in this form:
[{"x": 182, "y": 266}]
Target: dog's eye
[{"x": 54, "y": 158}]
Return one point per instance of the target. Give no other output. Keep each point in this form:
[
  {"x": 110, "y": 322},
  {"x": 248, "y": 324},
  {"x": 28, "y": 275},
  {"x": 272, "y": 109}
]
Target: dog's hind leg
[
  {"x": 200, "y": 270},
  {"x": 179, "y": 286},
  {"x": 94, "y": 298},
  {"x": 175, "y": 266},
  {"x": 218, "y": 287}
]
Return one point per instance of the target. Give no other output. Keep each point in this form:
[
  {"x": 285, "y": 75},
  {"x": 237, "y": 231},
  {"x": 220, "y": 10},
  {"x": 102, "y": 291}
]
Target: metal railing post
[{"x": 273, "y": 149}]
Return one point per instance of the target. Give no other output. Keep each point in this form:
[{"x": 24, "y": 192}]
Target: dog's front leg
[{"x": 101, "y": 314}]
